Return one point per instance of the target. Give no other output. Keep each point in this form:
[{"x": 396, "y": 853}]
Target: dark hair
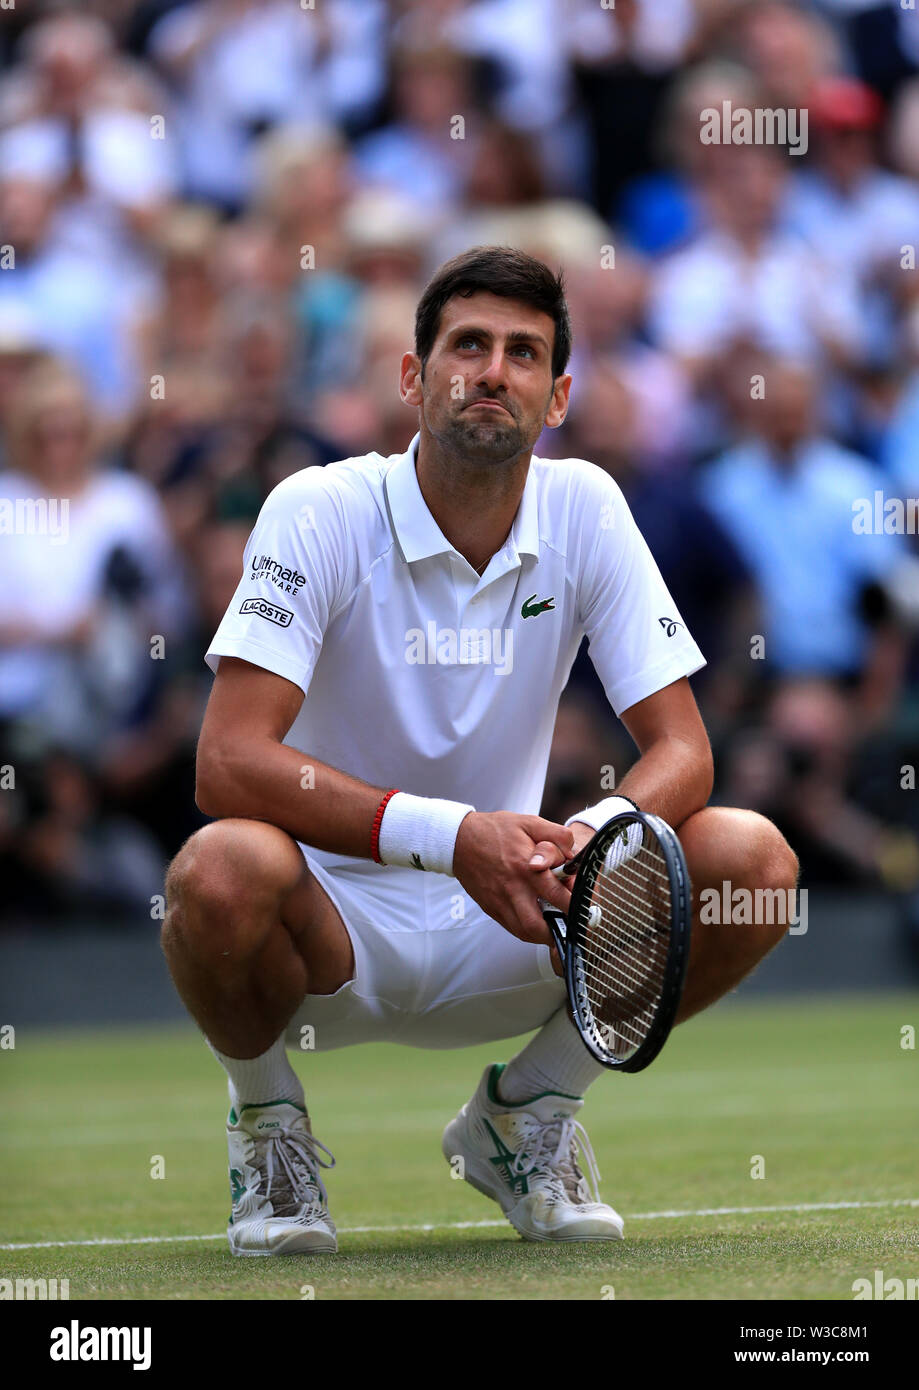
[{"x": 500, "y": 270}]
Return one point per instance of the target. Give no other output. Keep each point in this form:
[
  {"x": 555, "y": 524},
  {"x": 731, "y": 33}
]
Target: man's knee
[
  {"x": 723, "y": 842},
  {"x": 225, "y": 885},
  {"x": 742, "y": 850},
  {"x": 769, "y": 860}
]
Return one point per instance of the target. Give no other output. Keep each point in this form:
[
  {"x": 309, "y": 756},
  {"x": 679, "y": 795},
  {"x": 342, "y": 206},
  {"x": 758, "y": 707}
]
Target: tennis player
[{"x": 374, "y": 754}]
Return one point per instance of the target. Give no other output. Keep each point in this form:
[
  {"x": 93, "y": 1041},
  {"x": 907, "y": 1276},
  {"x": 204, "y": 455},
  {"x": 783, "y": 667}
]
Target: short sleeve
[
  {"x": 638, "y": 640},
  {"x": 290, "y": 585}
]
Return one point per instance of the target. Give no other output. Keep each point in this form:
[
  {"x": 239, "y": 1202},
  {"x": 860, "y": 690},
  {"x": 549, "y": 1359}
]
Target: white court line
[{"x": 477, "y": 1225}]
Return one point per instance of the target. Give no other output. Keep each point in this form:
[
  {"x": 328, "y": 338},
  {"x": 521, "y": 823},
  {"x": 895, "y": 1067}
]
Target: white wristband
[
  {"x": 419, "y": 832},
  {"x": 596, "y": 816}
]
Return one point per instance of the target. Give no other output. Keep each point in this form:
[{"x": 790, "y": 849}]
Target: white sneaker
[
  {"x": 280, "y": 1206},
  {"x": 525, "y": 1157}
]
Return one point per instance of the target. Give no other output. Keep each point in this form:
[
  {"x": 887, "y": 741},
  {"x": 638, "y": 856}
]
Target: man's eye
[{"x": 474, "y": 342}]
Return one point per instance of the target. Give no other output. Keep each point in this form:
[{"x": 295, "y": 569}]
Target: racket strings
[{"x": 624, "y": 939}]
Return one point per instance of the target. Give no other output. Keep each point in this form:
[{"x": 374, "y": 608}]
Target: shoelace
[
  {"x": 560, "y": 1160},
  {"x": 296, "y": 1157}
]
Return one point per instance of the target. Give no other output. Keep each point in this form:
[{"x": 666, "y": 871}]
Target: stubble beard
[{"x": 480, "y": 440}]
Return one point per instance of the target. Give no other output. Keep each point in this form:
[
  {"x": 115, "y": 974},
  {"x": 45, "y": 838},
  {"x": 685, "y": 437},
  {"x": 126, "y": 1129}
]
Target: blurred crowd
[{"x": 216, "y": 217}]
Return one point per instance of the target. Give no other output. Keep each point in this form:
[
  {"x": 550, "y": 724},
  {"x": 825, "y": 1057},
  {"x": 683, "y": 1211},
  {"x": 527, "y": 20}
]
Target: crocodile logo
[
  {"x": 416, "y": 861},
  {"x": 531, "y": 609}
]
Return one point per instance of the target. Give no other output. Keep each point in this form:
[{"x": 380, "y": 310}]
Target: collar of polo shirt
[{"x": 417, "y": 533}]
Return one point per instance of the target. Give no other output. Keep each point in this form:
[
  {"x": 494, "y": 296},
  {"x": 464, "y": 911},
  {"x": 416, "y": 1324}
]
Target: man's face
[
  {"x": 790, "y": 415},
  {"x": 494, "y": 350}
]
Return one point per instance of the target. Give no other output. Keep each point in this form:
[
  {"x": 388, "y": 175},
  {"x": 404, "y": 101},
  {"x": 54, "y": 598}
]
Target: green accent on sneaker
[
  {"x": 517, "y": 1182},
  {"x": 264, "y": 1104},
  {"x": 493, "y": 1078},
  {"x": 232, "y": 1118},
  {"x": 237, "y": 1186}
]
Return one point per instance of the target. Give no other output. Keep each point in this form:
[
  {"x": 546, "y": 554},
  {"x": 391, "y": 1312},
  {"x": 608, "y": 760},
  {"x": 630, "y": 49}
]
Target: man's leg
[
  {"x": 518, "y": 1136},
  {"x": 248, "y": 932},
  {"x": 721, "y": 845},
  {"x": 741, "y": 848}
]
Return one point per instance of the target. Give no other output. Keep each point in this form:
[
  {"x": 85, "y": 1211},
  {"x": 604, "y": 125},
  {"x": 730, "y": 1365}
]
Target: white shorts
[{"x": 430, "y": 968}]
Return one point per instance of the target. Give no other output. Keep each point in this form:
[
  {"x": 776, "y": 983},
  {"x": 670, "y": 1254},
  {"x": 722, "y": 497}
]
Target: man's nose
[{"x": 494, "y": 372}]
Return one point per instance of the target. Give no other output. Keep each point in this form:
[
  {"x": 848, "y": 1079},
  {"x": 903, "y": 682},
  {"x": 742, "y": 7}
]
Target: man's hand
[
  {"x": 491, "y": 860},
  {"x": 583, "y": 834}
]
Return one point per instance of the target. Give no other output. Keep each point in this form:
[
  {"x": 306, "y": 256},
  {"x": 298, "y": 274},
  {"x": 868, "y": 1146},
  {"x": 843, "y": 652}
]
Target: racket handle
[
  {"x": 561, "y": 870},
  {"x": 555, "y": 921}
]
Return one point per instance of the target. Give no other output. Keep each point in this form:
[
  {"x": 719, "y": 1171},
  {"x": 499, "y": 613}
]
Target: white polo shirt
[{"x": 418, "y": 673}]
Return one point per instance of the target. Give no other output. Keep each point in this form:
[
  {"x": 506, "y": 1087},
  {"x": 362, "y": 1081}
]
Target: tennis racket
[{"x": 624, "y": 941}]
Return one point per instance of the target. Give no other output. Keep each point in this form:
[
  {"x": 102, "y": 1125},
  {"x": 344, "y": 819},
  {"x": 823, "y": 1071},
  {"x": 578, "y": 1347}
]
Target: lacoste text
[{"x": 266, "y": 609}]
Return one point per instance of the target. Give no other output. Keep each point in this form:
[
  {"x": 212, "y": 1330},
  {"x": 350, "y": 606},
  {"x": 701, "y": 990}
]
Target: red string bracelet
[{"x": 377, "y": 822}]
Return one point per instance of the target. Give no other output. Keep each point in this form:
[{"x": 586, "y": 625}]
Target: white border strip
[{"x": 480, "y": 1225}]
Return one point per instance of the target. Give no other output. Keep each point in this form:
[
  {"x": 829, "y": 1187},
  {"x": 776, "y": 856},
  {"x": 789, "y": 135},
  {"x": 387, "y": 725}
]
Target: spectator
[
  {"x": 20, "y": 350},
  {"x": 788, "y": 49},
  {"x": 855, "y": 215},
  {"x": 710, "y": 582},
  {"x": 183, "y": 325},
  {"x": 745, "y": 280},
  {"x": 607, "y": 309},
  {"x": 662, "y": 208},
  {"x": 240, "y": 67},
  {"x": 787, "y": 497},
  {"x": 148, "y": 770},
  {"x": 797, "y": 767},
  {"x": 86, "y": 579},
  {"x": 304, "y": 182},
  {"x": 80, "y": 113},
  {"x": 624, "y": 79},
  {"x": 68, "y": 854},
  {"x": 900, "y": 449},
  {"x": 77, "y": 306},
  {"x": 422, "y": 153}
]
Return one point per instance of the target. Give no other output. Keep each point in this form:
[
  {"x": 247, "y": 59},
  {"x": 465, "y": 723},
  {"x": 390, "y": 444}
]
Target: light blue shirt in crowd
[{"x": 793, "y": 522}]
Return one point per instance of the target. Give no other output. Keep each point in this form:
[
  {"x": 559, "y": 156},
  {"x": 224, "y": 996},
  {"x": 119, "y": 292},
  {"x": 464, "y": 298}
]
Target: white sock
[
  {"x": 258, "y": 1080},
  {"x": 554, "y": 1060}
]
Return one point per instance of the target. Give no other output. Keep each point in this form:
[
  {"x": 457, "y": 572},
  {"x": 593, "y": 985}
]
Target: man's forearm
[
  {"x": 315, "y": 803},
  {"x": 672, "y": 779}
]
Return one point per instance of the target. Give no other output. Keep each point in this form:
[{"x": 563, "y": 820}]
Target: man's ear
[
  {"x": 410, "y": 387},
  {"x": 558, "y": 402}
]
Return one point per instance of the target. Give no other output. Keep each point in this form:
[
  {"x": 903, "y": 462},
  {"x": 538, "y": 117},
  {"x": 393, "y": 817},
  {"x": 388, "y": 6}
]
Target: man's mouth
[{"x": 491, "y": 405}]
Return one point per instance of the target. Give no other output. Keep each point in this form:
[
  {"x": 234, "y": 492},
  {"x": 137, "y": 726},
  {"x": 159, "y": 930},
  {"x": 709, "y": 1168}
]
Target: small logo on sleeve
[
  {"x": 532, "y": 609},
  {"x": 265, "y": 609},
  {"x": 670, "y": 625}
]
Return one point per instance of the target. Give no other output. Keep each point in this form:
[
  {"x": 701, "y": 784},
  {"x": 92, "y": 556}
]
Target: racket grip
[
  {"x": 555, "y": 921},
  {"x": 561, "y": 870}
]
